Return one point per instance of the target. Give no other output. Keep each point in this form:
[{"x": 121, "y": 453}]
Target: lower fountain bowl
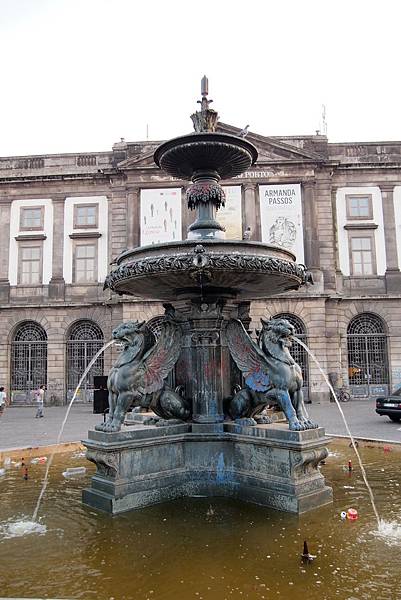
[{"x": 240, "y": 269}]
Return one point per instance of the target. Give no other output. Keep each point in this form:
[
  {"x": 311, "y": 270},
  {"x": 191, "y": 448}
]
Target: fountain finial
[
  {"x": 204, "y": 86},
  {"x": 205, "y": 120}
]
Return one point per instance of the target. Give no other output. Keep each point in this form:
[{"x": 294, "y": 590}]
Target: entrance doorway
[{"x": 368, "y": 368}]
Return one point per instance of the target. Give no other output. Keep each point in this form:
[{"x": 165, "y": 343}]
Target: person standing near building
[
  {"x": 2, "y": 400},
  {"x": 40, "y": 397}
]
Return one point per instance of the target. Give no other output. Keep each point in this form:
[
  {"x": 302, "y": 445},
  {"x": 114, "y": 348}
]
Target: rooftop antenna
[{"x": 147, "y": 131}]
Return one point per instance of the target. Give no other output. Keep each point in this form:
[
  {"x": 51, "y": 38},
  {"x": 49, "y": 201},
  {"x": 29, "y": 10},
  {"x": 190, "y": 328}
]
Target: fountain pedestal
[{"x": 265, "y": 464}]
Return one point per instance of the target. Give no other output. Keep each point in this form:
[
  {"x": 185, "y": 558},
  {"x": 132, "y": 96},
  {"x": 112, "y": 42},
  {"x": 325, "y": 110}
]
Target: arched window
[
  {"x": 298, "y": 353},
  {"x": 28, "y": 360},
  {"x": 84, "y": 341},
  {"x": 367, "y": 354}
]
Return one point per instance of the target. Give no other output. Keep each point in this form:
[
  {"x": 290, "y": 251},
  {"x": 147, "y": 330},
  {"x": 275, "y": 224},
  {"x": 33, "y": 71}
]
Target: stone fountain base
[{"x": 264, "y": 464}]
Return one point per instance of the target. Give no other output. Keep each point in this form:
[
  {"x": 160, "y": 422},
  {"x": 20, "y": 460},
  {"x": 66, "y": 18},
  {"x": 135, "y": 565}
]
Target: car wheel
[{"x": 395, "y": 419}]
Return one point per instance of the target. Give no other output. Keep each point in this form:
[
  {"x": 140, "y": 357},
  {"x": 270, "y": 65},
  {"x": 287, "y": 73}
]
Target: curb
[{"x": 364, "y": 442}]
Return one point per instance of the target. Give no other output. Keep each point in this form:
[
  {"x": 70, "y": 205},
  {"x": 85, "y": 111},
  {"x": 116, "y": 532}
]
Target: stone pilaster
[
  {"x": 57, "y": 283},
  {"x": 250, "y": 212},
  {"x": 56, "y": 392},
  {"x": 325, "y": 230},
  {"x": 5, "y": 211},
  {"x": 310, "y": 229},
  {"x": 118, "y": 221},
  {"x": 310, "y": 226},
  {"x": 133, "y": 218},
  {"x": 393, "y": 274}
]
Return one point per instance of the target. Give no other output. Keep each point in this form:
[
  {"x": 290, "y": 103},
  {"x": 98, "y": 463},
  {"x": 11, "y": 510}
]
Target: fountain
[{"x": 210, "y": 434}]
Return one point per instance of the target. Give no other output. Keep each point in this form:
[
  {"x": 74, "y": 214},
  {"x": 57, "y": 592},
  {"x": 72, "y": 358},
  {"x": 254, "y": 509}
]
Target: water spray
[
  {"x": 46, "y": 477},
  {"x": 365, "y": 479}
]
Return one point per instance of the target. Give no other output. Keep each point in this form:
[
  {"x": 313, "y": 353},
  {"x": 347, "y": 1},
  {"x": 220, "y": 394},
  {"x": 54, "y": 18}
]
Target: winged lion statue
[
  {"x": 138, "y": 375},
  {"x": 271, "y": 374}
]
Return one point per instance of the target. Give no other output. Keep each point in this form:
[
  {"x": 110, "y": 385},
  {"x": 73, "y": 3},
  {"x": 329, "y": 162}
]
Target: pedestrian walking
[
  {"x": 2, "y": 400},
  {"x": 40, "y": 397}
]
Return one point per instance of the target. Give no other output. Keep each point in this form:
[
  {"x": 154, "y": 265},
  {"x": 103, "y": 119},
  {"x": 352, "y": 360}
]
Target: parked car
[{"x": 390, "y": 405}]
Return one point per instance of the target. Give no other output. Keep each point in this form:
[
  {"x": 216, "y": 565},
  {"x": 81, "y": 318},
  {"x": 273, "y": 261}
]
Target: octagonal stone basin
[{"x": 238, "y": 269}]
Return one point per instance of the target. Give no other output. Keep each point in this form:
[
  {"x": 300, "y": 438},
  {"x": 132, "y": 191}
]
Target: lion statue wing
[
  {"x": 161, "y": 358},
  {"x": 248, "y": 357}
]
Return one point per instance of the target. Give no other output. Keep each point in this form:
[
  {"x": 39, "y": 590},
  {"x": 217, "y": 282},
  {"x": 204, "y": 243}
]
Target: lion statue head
[
  {"x": 276, "y": 337},
  {"x": 134, "y": 333}
]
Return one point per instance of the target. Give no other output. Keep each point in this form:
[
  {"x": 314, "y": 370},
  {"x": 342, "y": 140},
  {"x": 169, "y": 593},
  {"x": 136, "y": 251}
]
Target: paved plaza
[{"x": 20, "y": 429}]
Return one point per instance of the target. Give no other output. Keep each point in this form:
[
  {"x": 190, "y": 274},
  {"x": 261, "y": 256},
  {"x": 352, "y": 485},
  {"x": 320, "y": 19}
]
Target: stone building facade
[{"x": 65, "y": 218}]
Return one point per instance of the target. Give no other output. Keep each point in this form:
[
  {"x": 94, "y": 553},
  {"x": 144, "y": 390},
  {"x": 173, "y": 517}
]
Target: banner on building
[
  {"x": 230, "y": 215},
  {"x": 160, "y": 216},
  {"x": 281, "y": 217}
]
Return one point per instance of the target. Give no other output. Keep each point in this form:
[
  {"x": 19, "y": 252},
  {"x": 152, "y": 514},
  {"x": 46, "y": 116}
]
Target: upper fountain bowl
[
  {"x": 226, "y": 155},
  {"x": 240, "y": 269}
]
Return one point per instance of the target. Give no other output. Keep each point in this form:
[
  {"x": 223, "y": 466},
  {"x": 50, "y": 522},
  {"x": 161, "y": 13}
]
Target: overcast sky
[{"x": 79, "y": 74}]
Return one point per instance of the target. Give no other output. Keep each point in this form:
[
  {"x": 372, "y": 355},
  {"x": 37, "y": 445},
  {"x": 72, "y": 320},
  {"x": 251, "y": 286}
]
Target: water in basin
[{"x": 202, "y": 548}]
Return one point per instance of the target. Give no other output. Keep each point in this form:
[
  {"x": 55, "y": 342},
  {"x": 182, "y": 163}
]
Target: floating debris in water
[
  {"x": 352, "y": 514},
  {"x": 80, "y": 454},
  {"x": 74, "y": 471},
  {"x": 2, "y": 472},
  {"x": 40, "y": 460},
  {"x": 306, "y": 556}
]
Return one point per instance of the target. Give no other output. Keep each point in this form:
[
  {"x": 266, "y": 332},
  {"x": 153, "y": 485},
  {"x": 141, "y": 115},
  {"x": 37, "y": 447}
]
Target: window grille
[
  {"x": 84, "y": 341},
  {"x": 367, "y": 352},
  {"x": 28, "y": 359},
  {"x": 298, "y": 353}
]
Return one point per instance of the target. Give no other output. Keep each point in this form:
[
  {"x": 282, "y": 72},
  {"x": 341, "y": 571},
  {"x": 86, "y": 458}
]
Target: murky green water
[{"x": 199, "y": 548}]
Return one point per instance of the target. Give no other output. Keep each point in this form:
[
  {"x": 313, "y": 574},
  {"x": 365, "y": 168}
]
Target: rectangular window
[
  {"x": 31, "y": 218},
  {"x": 85, "y": 262},
  {"x": 359, "y": 206},
  {"x": 362, "y": 255},
  {"x": 85, "y": 215},
  {"x": 30, "y": 264}
]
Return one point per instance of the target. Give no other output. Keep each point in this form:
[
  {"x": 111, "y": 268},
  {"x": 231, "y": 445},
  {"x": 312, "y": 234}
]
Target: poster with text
[
  {"x": 281, "y": 217},
  {"x": 230, "y": 215},
  {"x": 160, "y": 216}
]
